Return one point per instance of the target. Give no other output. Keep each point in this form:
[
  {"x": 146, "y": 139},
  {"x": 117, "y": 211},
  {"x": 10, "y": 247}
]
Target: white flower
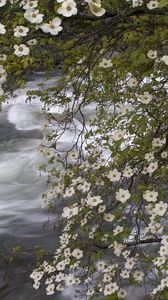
[
  {"x": 94, "y": 200},
  {"x": 69, "y": 192},
  {"x": 123, "y": 195},
  {"x": 118, "y": 134},
  {"x": 101, "y": 266},
  {"x": 160, "y": 208},
  {"x": 138, "y": 276},
  {"x": 136, "y": 3},
  {"x": 21, "y": 50},
  {"x": 32, "y": 42},
  {"x": 164, "y": 154},
  {"x": 130, "y": 263},
  {"x": 163, "y": 250},
  {"x": 125, "y": 109},
  {"x": 33, "y": 16},
  {"x": 2, "y": 78},
  {"x": 20, "y": 31},
  {"x": 108, "y": 217},
  {"x": 95, "y": 8},
  {"x": 101, "y": 209},
  {"x": 159, "y": 261},
  {"x": 165, "y": 59},
  {"x": 3, "y": 57},
  {"x": 114, "y": 175},
  {"x": 70, "y": 279},
  {"x": 53, "y": 27},
  {"x": 152, "y": 4},
  {"x": 60, "y": 287},
  {"x": 36, "y": 285},
  {"x": 152, "y": 54},
  {"x": 59, "y": 277},
  {"x": 2, "y": 2},
  {"x": 90, "y": 292},
  {"x": 50, "y": 289},
  {"x": 152, "y": 167},
  {"x": 118, "y": 229},
  {"x": 84, "y": 186},
  {"x": 77, "y": 253},
  {"x": 30, "y": 4},
  {"x": 105, "y": 63},
  {"x": 110, "y": 288},
  {"x": 149, "y": 156},
  {"x": 165, "y": 241},
  {"x": 150, "y": 196},
  {"x": 1, "y": 91},
  {"x": 2, "y": 69},
  {"x": 69, "y": 212},
  {"x": 132, "y": 82},
  {"x": 61, "y": 265},
  {"x": 68, "y": 8},
  {"x": 157, "y": 142},
  {"x": 128, "y": 172},
  {"x": 145, "y": 98},
  {"x": 122, "y": 293},
  {"x": 125, "y": 274},
  {"x": 2, "y": 29}
]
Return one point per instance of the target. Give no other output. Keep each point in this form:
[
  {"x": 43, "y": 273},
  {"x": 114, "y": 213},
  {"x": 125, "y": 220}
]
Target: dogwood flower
[
  {"x": 118, "y": 134},
  {"x": 132, "y": 82},
  {"x": 69, "y": 212},
  {"x": 21, "y": 50},
  {"x": 53, "y": 27},
  {"x": 136, "y": 3},
  {"x": 33, "y": 16},
  {"x": 138, "y": 276},
  {"x": 77, "y": 253},
  {"x": 160, "y": 208},
  {"x": 30, "y": 4},
  {"x": 152, "y": 167},
  {"x": 123, "y": 195},
  {"x": 149, "y": 156},
  {"x": 118, "y": 229},
  {"x": 2, "y": 29},
  {"x": 150, "y": 196},
  {"x": 105, "y": 63},
  {"x": 114, "y": 175},
  {"x": 152, "y": 4},
  {"x": 164, "y": 154},
  {"x": 20, "y": 31},
  {"x": 1, "y": 91},
  {"x": 108, "y": 217},
  {"x": 128, "y": 172},
  {"x": 157, "y": 142},
  {"x": 2, "y": 2},
  {"x": 95, "y": 8},
  {"x": 152, "y": 54},
  {"x": 110, "y": 288},
  {"x": 165, "y": 59},
  {"x": 50, "y": 289},
  {"x": 3, "y": 57},
  {"x": 2, "y": 78},
  {"x": 32, "y": 42},
  {"x": 122, "y": 293},
  {"x": 145, "y": 98},
  {"x": 94, "y": 200},
  {"x": 68, "y": 8}
]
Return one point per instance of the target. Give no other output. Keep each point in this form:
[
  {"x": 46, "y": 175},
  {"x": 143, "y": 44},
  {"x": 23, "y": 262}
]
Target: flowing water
[{"x": 23, "y": 222}]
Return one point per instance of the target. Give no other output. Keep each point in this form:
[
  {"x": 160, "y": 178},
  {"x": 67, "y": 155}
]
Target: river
[{"x": 24, "y": 224}]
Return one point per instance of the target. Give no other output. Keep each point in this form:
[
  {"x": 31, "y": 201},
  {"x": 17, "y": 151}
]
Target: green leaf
[{"x": 163, "y": 3}]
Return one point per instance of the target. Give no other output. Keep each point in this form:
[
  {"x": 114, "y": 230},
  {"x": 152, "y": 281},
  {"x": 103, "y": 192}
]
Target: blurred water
[{"x": 23, "y": 222}]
